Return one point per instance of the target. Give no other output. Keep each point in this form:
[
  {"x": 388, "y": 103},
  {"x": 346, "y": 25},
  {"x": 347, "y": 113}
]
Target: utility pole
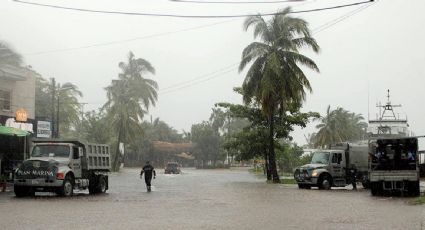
[
  {"x": 52, "y": 118},
  {"x": 57, "y": 116}
]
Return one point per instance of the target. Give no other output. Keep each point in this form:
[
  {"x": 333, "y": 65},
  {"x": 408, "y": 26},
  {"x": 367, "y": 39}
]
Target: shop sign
[{"x": 21, "y": 115}]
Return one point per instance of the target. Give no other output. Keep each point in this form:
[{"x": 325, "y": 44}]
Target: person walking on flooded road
[{"x": 149, "y": 171}]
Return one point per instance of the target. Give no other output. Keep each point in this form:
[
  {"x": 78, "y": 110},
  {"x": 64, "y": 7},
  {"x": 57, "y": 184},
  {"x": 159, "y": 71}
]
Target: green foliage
[
  {"x": 339, "y": 125},
  {"x": 51, "y": 96},
  {"x": 128, "y": 97},
  {"x": 96, "y": 128},
  {"x": 252, "y": 140},
  {"x": 290, "y": 156},
  {"x": 274, "y": 80},
  {"x": 418, "y": 201},
  {"x": 207, "y": 143},
  {"x": 138, "y": 152},
  {"x": 288, "y": 181}
]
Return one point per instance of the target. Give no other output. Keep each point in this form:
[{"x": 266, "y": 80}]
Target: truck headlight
[{"x": 314, "y": 174}]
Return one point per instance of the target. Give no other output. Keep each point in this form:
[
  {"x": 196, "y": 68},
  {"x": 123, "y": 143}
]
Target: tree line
[{"x": 273, "y": 92}]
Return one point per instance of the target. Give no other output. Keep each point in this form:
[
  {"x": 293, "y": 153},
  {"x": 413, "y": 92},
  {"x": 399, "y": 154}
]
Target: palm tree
[
  {"x": 339, "y": 125},
  {"x": 129, "y": 98},
  {"x": 275, "y": 79},
  {"x": 50, "y": 95},
  {"x": 8, "y": 56}
]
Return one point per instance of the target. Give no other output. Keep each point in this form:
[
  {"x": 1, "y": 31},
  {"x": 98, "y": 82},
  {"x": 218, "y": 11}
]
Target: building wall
[{"x": 22, "y": 94}]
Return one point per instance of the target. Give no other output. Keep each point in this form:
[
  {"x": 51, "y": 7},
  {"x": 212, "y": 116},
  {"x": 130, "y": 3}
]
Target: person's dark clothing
[
  {"x": 353, "y": 173},
  {"x": 148, "y": 170}
]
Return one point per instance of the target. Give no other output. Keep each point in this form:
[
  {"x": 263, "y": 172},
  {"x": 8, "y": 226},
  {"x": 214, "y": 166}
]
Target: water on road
[{"x": 209, "y": 199}]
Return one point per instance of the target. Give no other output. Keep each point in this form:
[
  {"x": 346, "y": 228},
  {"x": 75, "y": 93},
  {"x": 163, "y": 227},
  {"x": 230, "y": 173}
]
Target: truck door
[
  {"x": 76, "y": 162},
  {"x": 338, "y": 171}
]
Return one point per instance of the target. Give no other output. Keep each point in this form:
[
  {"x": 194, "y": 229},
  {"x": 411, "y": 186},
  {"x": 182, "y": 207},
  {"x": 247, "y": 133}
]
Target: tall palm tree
[
  {"x": 129, "y": 98},
  {"x": 8, "y": 56},
  {"x": 339, "y": 125},
  {"x": 275, "y": 79}
]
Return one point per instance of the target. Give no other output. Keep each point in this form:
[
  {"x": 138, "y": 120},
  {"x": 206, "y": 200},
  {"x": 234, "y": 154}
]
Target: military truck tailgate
[{"x": 395, "y": 175}]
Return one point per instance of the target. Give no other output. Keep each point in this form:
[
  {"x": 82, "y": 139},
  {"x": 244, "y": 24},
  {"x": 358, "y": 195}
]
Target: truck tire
[
  {"x": 301, "y": 186},
  {"x": 101, "y": 184},
  {"x": 414, "y": 188},
  {"x": 325, "y": 182},
  {"x": 92, "y": 185},
  {"x": 67, "y": 188},
  {"x": 376, "y": 188},
  {"x": 21, "y": 191}
]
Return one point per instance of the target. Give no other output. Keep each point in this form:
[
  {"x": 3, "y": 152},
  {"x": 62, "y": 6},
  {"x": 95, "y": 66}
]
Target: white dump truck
[{"x": 61, "y": 166}]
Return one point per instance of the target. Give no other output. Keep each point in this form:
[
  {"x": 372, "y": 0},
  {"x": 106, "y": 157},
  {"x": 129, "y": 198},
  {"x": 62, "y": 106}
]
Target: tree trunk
[
  {"x": 117, "y": 153},
  {"x": 272, "y": 155},
  {"x": 266, "y": 165}
]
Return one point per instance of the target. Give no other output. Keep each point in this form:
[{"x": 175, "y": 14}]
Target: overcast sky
[{"x": 379, "y": 48}]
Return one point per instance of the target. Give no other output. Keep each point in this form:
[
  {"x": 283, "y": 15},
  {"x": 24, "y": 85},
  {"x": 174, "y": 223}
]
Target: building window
[{"x": 4, "y": 100}]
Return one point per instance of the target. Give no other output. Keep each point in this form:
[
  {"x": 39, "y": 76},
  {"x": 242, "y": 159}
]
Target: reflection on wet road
[{"x": 209, "y": 199}]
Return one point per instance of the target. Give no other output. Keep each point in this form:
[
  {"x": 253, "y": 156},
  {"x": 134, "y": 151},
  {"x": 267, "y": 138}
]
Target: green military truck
[
  {"x": 63, "y": 165},
  {"x": 394, "y": 166},
  {"x": 332, "y": 167}
]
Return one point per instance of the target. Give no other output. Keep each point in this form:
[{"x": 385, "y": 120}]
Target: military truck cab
[
  {"x": 334, "y": 167},
  {"x": 61, "y": 166}
]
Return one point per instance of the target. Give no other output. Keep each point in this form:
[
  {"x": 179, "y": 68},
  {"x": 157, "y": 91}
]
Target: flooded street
[{"x": 209, "y": 199}]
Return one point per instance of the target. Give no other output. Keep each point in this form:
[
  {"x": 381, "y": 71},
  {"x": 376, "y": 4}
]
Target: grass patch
[
  {"x": 288, "y": 181},
  {"x": 418, "y": 201}
]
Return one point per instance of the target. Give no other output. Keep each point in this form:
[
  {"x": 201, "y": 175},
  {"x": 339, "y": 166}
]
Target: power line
[
  {"x": 140, "y": 38},
  {"x": 188, "y": 16},
  {"x": 234, "y": 2},
  {"x": 129, "y": 40},
  {"x": 201, "y": 77},
  {"x": 200, "y": 80}
]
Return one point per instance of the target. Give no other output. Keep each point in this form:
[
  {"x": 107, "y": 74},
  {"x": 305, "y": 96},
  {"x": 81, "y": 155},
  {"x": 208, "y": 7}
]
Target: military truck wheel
[
  {"x": 101, "y": 184},
  {"x": 414, "y": 188},
  {"x": 67, "y": 188},
  {"x": 325, "y": 182},
  {"x": 21, "y": 191},
  {"x": 301, "y": 186},
  {"x": 376, "y": 188}
]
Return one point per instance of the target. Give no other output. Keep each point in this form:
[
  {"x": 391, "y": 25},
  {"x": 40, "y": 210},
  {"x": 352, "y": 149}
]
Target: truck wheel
[
  {"x": 301, "y": 186},
  {"x": 414, "y": 188},
  {"x": 20, "y": 191},
  {"x": 376, "y": 188},
  {"x": 101, "y": 184},
  {"x": 67, "y": 188},
  {"x": 325, "y": 182},
  {"x": 92, "y": 185}
]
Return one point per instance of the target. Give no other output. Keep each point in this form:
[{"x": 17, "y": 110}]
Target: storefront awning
[{"x": 9, "y": 131}]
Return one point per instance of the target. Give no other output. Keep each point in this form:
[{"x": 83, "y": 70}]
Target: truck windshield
[
  {"x": 45, "y": 150},
  {"x": 320, "y": 158}
]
